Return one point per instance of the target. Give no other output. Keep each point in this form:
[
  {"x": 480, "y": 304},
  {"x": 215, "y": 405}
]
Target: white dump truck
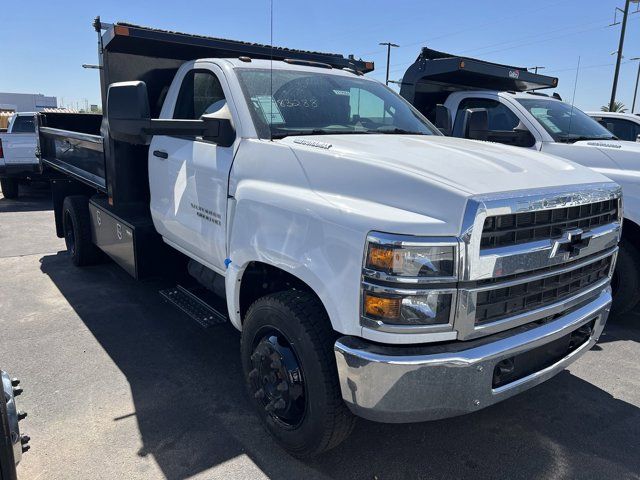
[
  {"x": 475, "y": 99},
  {"x": 374, "y": 267}
]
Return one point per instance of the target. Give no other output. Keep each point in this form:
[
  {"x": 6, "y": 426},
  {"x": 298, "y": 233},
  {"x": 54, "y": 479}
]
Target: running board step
[{"x": 194, "y": 307}]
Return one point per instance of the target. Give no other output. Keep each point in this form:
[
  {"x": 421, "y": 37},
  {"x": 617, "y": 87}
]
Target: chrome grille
[
  {"x": 503, "y": 302},
  {"x": 519, "y": 228}
]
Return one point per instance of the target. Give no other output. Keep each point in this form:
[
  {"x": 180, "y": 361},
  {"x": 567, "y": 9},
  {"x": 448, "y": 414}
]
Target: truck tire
[
  {"x": 76, "y": 222},
  {"x": 9, "y": 187},
  {"x": 290, "y": 372},
  {"x": 626, "y": 279}
]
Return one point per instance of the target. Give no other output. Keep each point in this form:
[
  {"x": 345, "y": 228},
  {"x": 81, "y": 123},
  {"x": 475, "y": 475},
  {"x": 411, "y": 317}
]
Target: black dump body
[
  {"x": 434, "y": 75},
  {"x": 79, "y": 145}
]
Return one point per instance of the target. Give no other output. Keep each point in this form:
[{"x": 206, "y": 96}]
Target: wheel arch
[
  {"x": 255, "y": 279},
  {"x": 631, "y": 232}
]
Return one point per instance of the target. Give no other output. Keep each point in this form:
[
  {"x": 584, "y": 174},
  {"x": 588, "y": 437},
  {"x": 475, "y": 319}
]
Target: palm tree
[{"x": 617, "y": 107}]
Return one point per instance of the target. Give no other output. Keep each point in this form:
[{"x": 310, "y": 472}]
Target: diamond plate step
[{"x": 194, "y": 307}]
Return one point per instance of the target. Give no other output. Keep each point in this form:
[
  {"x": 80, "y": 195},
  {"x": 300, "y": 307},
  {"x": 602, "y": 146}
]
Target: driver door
[{"x": 188, "y": 176}]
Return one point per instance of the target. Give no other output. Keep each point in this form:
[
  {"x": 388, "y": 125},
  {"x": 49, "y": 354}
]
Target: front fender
[{"x": 294, "y": 230}]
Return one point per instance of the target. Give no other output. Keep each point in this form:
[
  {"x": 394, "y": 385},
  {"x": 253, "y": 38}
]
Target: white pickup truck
[
  {"x": 625, "y": 126},
  {"x": 374, "y": 267},
  {"x": 18, "y": 160},
  {"x": 470, "y": 98}
]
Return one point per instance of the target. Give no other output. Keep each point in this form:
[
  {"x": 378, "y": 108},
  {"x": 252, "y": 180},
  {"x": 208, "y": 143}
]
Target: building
[{"x": 26, "y": 102}]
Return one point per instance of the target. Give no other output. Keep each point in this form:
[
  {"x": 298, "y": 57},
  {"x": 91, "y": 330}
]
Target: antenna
[
  {"x": 573, "y": 99},
  {"x": 271, "y": 77}
]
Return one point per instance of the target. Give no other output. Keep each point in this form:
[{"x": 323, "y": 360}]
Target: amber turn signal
[
  {"x": 380, "y": 258},
  {"x": 382, "y": 307}
]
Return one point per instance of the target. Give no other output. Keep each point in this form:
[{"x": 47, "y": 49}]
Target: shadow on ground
[
  {"x": 193, "y": 414},
  {"x": 32, "y": 197}
]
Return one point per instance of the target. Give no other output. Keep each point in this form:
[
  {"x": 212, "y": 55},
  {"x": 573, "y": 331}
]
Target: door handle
[{"x": 160, "y": 154}]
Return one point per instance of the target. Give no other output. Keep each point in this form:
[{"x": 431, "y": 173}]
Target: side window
[
  {"x": 501, "y": 119},
  {"x": 502, "y": 123},
  {"x": 623, "y": 129},
  {"x": 200, "y": 93},
  {"x": 23, "y": 124}
]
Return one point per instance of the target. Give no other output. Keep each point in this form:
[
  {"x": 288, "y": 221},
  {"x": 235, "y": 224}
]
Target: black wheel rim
[
  {"x": 276, "y": 378},
  {"x": 69, "y": 236}
]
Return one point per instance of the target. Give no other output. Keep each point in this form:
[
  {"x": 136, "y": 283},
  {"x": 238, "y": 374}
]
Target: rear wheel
[
  {"x": 9, "y": 187},
  {"x": 290, "y": 371},
  {"x": 626, "y": 279},
  {"x": 76, "y": 223}
]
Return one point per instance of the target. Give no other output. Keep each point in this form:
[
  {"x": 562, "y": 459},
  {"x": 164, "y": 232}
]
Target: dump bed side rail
[{"x": 77, "y": 154}]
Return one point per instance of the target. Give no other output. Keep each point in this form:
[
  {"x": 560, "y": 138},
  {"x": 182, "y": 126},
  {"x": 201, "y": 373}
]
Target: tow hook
[{"x": 12, "y": 443}]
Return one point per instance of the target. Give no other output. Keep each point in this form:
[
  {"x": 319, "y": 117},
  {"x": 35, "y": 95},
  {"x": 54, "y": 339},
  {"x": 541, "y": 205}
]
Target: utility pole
[
  {"x": 625, "y": 14},
  {"x": 635, "y": 90},
  {"x": 389, "y": 45}
]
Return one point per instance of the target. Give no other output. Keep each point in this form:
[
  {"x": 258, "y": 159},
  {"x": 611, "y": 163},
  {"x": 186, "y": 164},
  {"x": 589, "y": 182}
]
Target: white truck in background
[
  {"x": 373, "y": 266},
  {"x": 18, "y": 161},
  {"x": 474, "y": 99},
  {"x": 625, "y": 126}
]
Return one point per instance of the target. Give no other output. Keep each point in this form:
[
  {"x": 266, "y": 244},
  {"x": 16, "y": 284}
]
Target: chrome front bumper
[{"x": 387, "y": 384}]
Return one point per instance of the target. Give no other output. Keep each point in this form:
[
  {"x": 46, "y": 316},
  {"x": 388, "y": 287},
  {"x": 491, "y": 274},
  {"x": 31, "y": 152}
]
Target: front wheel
[
  {"x": 290, "y": 371},
  {"x": 626, "y": 279},
  {"x": 9, "y": 187}
]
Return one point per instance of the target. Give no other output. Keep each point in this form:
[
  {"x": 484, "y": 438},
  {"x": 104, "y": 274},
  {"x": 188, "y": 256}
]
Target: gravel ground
[{"x": 119, "y": 385}]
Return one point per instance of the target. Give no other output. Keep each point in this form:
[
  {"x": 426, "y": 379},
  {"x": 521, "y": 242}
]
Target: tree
[{"x": 617, "y": 107}]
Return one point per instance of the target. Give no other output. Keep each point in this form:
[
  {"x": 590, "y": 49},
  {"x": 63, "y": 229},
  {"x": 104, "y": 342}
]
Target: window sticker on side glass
[
  {"x": 269, "y": 108},
  {"x": 346, "y": 93}
]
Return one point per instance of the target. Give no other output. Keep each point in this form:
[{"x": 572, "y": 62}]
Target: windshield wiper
[
  {"x": 320, "y": 132},
  {"x": 398, "y": 131},
  {"x": 569, "y": 139}
]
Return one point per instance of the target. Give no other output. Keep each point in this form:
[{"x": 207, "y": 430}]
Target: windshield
[
  {"x": 311, "y": 103},
  {"x": 564, "y": 123}
]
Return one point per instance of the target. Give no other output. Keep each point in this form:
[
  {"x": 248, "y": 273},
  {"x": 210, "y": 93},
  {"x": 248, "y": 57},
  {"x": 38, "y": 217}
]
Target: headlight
[
  {"x": 409, "y": 283},
  {"x": 412, "y": 261}
]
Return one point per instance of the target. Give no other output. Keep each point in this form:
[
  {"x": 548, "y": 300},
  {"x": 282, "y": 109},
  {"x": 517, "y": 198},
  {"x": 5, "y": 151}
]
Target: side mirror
[
  {"x": 475, "y": 123},
  {"x": 128, "y": 117},
  {"x": 443, "y": 119},
  {"x": 219, "y": 127},
  {"x": 523, "y": 136},
  {"x": 128, "y": 112},
  {"x": 638, "y": 138}
]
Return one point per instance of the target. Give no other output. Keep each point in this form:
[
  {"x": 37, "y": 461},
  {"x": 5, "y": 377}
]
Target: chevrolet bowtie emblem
[{"x": 571, "y": 242}]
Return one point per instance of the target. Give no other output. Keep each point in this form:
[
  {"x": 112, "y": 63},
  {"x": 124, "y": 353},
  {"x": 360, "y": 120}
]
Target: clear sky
[{"x": 44, "y": 43}]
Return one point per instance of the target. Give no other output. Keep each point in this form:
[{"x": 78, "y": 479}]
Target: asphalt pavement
[{"x": 120, "y": 385}]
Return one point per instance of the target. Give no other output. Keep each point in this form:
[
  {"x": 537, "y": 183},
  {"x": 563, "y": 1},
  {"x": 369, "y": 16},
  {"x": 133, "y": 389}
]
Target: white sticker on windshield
[
  {"x": 269, "y": 109},
  {"x": 541, "y": 115},
  {"x": 549, "y": 124}
]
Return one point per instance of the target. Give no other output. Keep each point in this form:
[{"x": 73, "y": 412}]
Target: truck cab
[
  {"x": 625, "y": 126},
  {"x": 373, "y": 266},
  {"x": 18, "y": 159},
  {"x": 474, "y": 99}
]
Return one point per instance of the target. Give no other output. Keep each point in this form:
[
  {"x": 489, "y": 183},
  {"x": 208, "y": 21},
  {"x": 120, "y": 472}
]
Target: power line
[
  {"x": 518, "y": 45},
  {"x": 498, "y": 20}
]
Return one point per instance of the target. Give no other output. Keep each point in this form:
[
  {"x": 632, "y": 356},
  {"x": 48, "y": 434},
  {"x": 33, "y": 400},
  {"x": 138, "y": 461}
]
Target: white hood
[
  {"x": 471, "y": 167},
  {"x": 430, "y": 176}
]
